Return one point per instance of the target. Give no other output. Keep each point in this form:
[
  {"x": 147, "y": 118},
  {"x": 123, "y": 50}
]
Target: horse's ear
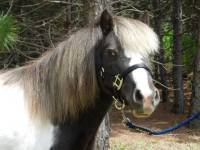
[{"x": 106, "y": 22}]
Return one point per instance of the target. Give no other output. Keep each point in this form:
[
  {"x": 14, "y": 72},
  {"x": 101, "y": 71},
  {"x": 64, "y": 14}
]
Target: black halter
[
  {"x": 118, "y": 82},
  {"x": 134, "y": 67},
  {"x": 121, "y": 76}
]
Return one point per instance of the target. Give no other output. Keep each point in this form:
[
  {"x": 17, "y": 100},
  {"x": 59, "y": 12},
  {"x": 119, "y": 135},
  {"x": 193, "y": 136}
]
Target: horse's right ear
[{"x": 106, "y": 22}]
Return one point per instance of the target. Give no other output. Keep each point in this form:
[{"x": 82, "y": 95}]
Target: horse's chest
[
  {"x": 79, "y": 134},
  {"x": 73, "y": 138}
]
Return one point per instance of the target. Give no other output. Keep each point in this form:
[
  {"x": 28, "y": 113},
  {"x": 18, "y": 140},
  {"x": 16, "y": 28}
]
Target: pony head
[{"x": 122, "y": 62}]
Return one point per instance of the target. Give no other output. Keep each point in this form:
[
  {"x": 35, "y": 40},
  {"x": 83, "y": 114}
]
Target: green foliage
[
  {"x": 188, "y": 44},
  {"x": 8, "y": 32},
  {"x": 167, "y": 42},
  {"x": 189, "y": 51}
]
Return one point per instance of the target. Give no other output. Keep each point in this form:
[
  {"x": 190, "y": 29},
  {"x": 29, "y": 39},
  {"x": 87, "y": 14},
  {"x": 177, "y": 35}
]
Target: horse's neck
[{"x": 80, "y": 134}]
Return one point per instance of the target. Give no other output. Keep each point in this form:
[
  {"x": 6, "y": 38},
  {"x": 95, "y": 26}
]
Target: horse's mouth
[{"x": 138, "y": 114}]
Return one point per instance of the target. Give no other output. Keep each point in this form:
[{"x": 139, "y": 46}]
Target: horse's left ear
[{"x": 106, "y": 22}]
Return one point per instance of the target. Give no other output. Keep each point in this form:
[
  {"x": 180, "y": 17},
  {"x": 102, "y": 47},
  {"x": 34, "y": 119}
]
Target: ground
[{"x": 123, "y": 138}]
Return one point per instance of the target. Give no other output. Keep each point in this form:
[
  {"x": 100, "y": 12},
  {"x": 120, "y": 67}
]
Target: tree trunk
[
  {"x": 145, "y": 17},
  {"x": 178, "y": 106},
  {"x": 68, "y": 16},
  {"x": 158, "y": 28},
  {"x": 92, "y": 9},
  {"x": 195, "y": 101},
  {"x": 102, "y": 138}
]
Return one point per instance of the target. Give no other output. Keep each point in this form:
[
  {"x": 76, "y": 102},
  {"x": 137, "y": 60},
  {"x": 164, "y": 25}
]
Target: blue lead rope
[{"x": 131, "y": 125}]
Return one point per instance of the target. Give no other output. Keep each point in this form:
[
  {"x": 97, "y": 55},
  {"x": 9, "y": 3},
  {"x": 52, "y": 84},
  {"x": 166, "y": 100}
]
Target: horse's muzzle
[{"x": 146, "y": 104}]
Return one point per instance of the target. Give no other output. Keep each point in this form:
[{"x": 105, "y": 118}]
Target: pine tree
[
  {"x": 177, "y": 57},
  {"x": 8, "y": 32}
]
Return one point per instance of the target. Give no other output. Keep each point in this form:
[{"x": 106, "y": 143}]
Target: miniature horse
[{"x": 58, "y": 101}]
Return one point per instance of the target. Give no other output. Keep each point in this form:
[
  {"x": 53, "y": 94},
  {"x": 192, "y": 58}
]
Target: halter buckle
[
  {"x": 118, "y": 82},
  {"x": 118, "y": 104}
]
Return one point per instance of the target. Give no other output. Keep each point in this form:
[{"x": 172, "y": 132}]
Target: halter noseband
[{"x": 118, "y": 82}]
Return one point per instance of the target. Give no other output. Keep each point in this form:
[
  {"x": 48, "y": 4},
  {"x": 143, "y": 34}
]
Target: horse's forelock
[{"x": 136, "y": 36}]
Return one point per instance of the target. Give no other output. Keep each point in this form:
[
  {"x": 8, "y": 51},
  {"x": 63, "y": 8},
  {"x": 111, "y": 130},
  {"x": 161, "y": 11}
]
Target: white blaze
[{"x": 140, "y": 75}]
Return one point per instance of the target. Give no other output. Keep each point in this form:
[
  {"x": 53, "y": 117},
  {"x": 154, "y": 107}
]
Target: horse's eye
[{"x": 112, "y": 53}]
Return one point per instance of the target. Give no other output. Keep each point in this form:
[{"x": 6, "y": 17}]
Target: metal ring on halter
[{"x": 118, "y": 104}]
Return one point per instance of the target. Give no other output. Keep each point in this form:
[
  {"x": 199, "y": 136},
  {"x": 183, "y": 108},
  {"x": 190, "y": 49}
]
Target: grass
[
  {"x": 154, "y": 145},
  {"x": 119, "y": 146}
]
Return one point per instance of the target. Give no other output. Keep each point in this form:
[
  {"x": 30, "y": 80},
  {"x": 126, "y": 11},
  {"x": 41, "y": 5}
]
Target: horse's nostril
[
  {"x": 138, "y": 96},
  {"x": 157, "y": 96}
]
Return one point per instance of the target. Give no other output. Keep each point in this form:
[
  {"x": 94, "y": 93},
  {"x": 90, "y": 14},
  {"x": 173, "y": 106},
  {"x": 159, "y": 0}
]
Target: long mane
[
  {"x": 62, "y": 83},
  {"x": 57, "y": 84}
]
